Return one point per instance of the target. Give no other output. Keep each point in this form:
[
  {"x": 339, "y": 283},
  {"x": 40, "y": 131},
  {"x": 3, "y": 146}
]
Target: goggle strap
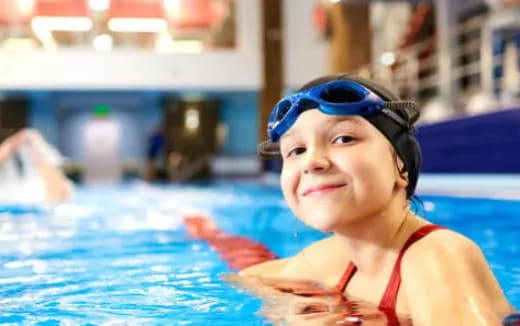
[
  {"x": 411, "y": 109},
  {"x": 263, "y": 150}
]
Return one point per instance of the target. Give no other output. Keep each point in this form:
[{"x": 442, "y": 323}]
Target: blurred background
[
  {"x": 115, "y": 114},
  {"x": 176, "y": 90}
]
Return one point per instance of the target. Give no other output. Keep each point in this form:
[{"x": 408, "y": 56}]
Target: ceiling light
[
  {"x": 99, "y": 5},
  {"x": 172, "y": 7},
  {"x": 18, "y": 44},
  {"x": 164, "y": 43},
  {"x": 191, "y": 119},
  {"x": 103, "y": 42},
  {"x": 187, "y": 46},
  {"x": 171, "y": 3},
  {"x": 77, "y": 24},
  {"x": 45, "y": 37},
  {"x": 25, "y": 7},
  {"x": 387, "y": 58}
]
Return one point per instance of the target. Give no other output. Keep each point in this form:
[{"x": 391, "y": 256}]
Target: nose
[{"x": 316, "y": 160}]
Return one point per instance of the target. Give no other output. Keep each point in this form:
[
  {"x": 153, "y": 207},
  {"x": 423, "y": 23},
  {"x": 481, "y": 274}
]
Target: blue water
[{"x": 120, "y": 255}]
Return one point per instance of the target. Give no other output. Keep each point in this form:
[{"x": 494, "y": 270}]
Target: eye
[
  {"x": 343, "y": 140},
  {"x": 296, "y": 151}
]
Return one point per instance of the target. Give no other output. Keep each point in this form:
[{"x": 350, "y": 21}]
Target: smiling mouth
[{"x": 321, "y": 189}]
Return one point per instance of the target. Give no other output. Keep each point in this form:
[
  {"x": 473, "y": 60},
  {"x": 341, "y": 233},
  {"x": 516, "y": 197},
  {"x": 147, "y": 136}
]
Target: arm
[
  {"x": 10, "y": 145},
  {"x": 272, "y": 268},
  {"x": 289, "y": 275},
  {"x": 447, "y": 281},
  {"x": 307, "y": 264},
  {"x": 6, "y": 149},
  {"x": 58, "y": 187}
]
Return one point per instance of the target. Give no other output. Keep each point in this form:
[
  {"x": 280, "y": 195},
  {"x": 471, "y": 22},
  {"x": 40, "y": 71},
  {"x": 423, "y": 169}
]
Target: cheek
[
  {"x": 375, "y": 172},
  {"x": 288, "y": 180}
]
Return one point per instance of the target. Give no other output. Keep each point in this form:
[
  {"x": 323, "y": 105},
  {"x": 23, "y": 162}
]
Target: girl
[{"x": 350, "y": 167}]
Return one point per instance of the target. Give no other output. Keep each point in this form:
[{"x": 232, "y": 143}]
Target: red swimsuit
[{"x": 389, "y": 299}]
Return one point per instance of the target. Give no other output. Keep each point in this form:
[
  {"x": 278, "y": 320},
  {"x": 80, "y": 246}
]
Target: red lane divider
[{"x": 239, "y": 252}]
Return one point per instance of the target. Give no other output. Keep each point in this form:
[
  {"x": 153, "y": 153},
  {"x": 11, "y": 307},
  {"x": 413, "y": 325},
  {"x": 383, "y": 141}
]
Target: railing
[{"x": 415, "y": 72}]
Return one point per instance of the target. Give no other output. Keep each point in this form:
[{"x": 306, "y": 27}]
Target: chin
[{"x": 321, "y": 223}]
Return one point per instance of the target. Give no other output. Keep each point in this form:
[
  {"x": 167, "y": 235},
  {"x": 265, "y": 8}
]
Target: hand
[
  {"x": 347, "y": 312},
  {"x": 299, "y": 302},
  {"x": 304, "y": 288},
  {"x": 25, "y": 136}
]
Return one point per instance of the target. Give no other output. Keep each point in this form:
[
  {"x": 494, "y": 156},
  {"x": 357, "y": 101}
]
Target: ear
[
  {"x": 402, "y": 179},
  {"x": 401, "y": 175}
]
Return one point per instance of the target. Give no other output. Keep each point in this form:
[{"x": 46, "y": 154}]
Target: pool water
[{"x": 120, "y": 255}]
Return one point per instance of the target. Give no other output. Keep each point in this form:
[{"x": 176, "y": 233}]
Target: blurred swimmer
[
  {"x": 29, "y": 167},
  {"x": 350, "y": 167}
]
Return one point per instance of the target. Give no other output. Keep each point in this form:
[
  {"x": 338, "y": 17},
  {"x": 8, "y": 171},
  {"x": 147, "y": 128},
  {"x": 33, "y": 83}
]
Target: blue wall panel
[
  {"x": 61, "y": 115},
  {"x": 487, "y": 143},
  {"x": 239, "y": 111}
]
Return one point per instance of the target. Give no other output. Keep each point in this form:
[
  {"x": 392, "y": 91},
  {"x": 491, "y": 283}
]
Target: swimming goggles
[{"x": 338, "y": 97}]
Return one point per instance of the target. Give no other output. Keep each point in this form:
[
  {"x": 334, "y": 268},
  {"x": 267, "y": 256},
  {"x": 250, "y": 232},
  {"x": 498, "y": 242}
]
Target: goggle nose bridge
[
  {"x": 298, "y": 103},
  {"x": 303, "y": 104}
]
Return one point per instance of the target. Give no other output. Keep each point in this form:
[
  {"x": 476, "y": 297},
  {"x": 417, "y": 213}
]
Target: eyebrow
[{"x": 341, "y": 118}]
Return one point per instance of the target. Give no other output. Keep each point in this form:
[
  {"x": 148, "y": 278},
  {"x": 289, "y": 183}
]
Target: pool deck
[{"x": 498, "y": 186}]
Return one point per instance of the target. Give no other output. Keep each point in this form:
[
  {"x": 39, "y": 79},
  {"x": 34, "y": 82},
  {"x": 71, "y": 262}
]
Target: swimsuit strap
[
  {"x": 389, "y": 299},
  {"x": 345, "y": 278}
]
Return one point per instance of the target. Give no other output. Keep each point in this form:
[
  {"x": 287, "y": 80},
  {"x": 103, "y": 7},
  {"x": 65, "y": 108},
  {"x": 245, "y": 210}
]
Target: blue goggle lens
[
  {"x": 282, "y": 108},
  {"x": 339, "y": 97},
  {"x": 339, "y": 94}
]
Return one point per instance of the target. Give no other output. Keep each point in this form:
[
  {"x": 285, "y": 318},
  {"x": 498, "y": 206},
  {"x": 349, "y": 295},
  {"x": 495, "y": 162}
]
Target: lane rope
[{"x": 238, "y": 252}]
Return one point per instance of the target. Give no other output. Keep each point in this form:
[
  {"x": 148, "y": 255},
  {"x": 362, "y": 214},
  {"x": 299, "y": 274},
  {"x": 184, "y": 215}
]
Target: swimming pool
[{"x": 120, "y": 255}]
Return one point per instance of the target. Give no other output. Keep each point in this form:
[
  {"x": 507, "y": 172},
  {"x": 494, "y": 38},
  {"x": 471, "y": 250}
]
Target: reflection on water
[{"x": 292, "y": 302}]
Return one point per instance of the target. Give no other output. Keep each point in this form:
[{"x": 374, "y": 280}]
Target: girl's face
[{"x": 337, "y": 170}]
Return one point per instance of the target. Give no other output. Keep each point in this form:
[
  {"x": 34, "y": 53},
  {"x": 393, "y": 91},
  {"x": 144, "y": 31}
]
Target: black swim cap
[{"x": 401, "y": 137}]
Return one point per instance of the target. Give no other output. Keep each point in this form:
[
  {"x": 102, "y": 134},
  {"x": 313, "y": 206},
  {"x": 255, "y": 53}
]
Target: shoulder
[
  {"x": 272, "y": 268},
  {"x": 443, "y": 255},
  {"x": 446, "y": 255},
  {"x": 441, "y": 245},
  {"x": 306, "y": 264},
  {"x": 451, "y": 274}
]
